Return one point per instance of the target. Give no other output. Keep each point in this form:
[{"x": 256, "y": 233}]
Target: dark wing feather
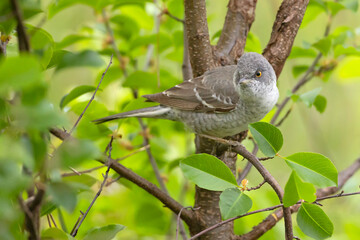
[{"x": 212, "y": 92}]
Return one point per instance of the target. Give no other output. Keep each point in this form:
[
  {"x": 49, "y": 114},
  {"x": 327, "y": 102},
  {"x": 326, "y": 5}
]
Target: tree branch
[
  {"x": 239, "y": 18},
  {"x": 108, "y": 163},
  {"x": 273, "y": 218},
  {"x": 23, "y": 39},
  {"x": 200, "y": 51},
  {"x": 92, "y": 97},
  {"x": 285, "y": 28},
  {"x": 186, "y": 215},
  {"x": 264, "y": 210}
]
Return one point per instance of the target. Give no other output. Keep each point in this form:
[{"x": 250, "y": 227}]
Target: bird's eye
[{"x": 258, "y": 73}]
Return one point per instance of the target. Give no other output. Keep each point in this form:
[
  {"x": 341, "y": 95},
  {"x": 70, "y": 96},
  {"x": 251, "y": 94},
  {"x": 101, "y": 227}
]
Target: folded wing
[{"x": 212, "y": 92}]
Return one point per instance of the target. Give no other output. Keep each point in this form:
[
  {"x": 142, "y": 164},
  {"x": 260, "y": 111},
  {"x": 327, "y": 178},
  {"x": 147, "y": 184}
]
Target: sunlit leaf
[
  {"x": 296, "y": 190},
  {"x": 234, "y": 202},
  {"x": 253, "y": 43},
  {"x": 348, "y": 69},
  {"x": 314, "y": 168},
  {"x": 104, "y": 233},
  {"x": 313, "y": 221},
  {"x": 75, "y": 93},
  {"x": 208, "y": 172},
  {"x": 55, "y": 233},
  {"x": 268, "y": 137}
]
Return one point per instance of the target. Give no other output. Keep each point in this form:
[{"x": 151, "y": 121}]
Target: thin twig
[
  {"x": 77, "y": 173},
  {"x": 232, "y": 219},
  {"x": 92, "y": 97},
  {"x": 53, "y": 220},
  {"x": 178, "y": 220},
  {"x": 108, "y": 163},
  {"x": 257, "y": 187},
  {"x": 264, "y": 210},
  {"x": 265, "y": 158}
]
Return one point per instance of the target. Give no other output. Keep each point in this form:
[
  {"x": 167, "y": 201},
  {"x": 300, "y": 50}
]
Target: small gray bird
[{"x": 220, "y": 103}]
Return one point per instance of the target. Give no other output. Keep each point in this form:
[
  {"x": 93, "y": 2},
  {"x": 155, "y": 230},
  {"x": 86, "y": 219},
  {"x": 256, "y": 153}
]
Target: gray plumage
[{"x": 220, "y": 103}]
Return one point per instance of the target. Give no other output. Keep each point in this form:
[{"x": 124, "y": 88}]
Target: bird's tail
[{"x": 150, "y": 112}]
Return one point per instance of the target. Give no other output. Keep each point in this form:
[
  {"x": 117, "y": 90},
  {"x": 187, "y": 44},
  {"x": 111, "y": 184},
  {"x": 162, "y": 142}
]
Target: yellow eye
[{"x": 258, "y": 74}]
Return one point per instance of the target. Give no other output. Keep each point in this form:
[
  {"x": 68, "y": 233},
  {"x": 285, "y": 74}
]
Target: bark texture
[
  {"x": 239, "y": 18},
  {"x": 284, "y": 31}
]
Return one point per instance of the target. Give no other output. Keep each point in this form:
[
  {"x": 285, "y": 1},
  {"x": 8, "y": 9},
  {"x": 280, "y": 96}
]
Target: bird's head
[{"x": 254, "y": 75}]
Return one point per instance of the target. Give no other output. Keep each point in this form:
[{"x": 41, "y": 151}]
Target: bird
[{"x": 220, "y": 103}]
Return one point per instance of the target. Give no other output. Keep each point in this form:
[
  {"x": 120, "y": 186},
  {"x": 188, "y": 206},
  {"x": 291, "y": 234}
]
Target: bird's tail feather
[{"x": 150, "y": 112}]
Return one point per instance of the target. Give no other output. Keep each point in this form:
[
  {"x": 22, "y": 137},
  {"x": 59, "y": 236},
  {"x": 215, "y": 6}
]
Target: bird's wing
[{"x": 212, "y": 92}]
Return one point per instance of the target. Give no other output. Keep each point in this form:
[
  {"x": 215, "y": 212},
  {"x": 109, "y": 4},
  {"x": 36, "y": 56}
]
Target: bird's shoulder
[{"x": 212, "y": 92}]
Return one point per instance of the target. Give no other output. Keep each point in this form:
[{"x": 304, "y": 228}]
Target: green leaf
[
  {"x": 141, "y": 79},
  {"x": 299, "y": 69},
  {"x": 353, "y": 5},
  {"x": 323, "y": 45},
  {"x": 86, "y": 58},
  {"x": 234, "y": 202},
  {"x": 55, "y": 233},
  {"x": 137, "y": 104},
  {"x": 75, "y": 93},
  {"x": 309, "y": 97},
  {"x": 73, "y": 152},
  {"x": 62, "y": 194},
  {"x": 348, "y": 68},
  {"x": 296, "y": 189},
  {"x": 347, "y": 51},
  {"x": 40, "y": 116},
  {"x": 314, "y": 168},
  {"x": 69, "y": 40},
  {"x": 208, "y": 172},
  {"x": 320, "y": 103},
  {"x": 313, "y": 10},
  {"x": 42, "y": 44},
  {"x": 299, "y": 52},
  {"x": 335, "y": 7},
  {"x": 16, "y": 77},
  {"x": 268, "y": 137},
  {"x": 104, "y": 233},
  {"x": 253, "y": 43},
  {"x": 313, "y": 221}
]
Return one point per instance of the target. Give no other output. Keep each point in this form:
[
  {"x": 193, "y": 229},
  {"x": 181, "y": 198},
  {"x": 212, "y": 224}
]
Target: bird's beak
[{"x": 244, "y": 81}]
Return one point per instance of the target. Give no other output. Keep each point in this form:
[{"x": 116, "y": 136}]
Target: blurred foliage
[{"x": 70, "y": 48}]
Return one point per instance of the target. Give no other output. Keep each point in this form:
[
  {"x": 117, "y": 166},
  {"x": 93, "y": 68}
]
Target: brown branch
[
  {"x": 273, "y": 218},
  {"x": 186, "y": 215},
  {"x": 239, "y": 18},
  {"x": 267, "y": 209},
  {"x": 78, "y": 173},
  {"x": 92, "y": 97},
  {"x": 285, "y": 28},
  {"x": 256, "y": 187},
  {"x": 108, "y": 163},
  {"x": 23, "y": 39},
  {"x": 240, "y": 149},
  {"x": 186, "y": 66},
  {"x": 200, "y": 51},
  {"x": 232, "y": 219}
]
